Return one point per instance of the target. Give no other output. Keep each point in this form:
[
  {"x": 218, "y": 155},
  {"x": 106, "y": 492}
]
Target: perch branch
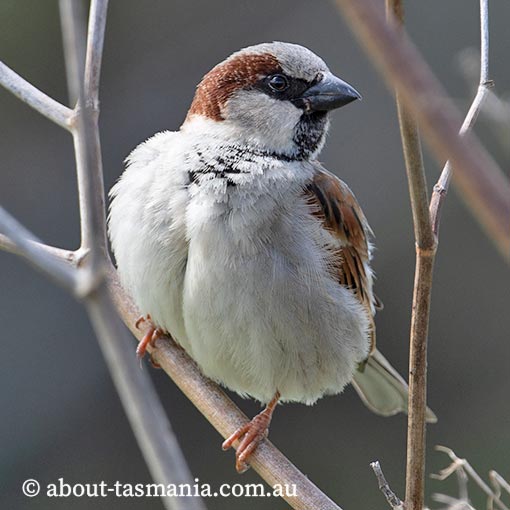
[
  {"x": 480, "y": 181},
  {"x": 220, "y": 411},
  {"x": 209, "y": 399},
  {"x": 35, "y": 98}
]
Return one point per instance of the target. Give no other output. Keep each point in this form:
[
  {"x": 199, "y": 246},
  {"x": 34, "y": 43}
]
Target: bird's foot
[
  {"x": 150, "y": 337},
  {"x": 252, "y": 434}
]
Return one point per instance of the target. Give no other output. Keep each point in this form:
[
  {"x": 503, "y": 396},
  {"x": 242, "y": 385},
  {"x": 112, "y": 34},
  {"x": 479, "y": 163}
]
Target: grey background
[{"x": 60, "y": 416}]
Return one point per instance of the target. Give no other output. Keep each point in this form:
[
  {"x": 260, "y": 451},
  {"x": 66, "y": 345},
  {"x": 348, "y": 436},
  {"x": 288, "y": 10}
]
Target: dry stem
[
  {"x": 425, "y": 253},
  {"x": 392, "y": 499}
]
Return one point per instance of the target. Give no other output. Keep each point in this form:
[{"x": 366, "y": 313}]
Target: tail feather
[{"x": 382, "y": 389}]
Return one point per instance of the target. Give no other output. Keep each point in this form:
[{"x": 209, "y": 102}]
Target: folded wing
[{"x": 378, "y": 384}]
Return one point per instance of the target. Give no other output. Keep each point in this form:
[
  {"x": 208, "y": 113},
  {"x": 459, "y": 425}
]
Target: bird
[{"x": 233, "y": 238}]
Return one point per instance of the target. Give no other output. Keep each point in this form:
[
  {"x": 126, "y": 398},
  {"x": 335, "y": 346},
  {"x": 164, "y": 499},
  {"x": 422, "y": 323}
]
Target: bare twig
[
  {"x": 425, "y": 254},
  {"x": 495, "y": 110},
  {"x": 483, "y": 186},
  {"x": 392, "y": 499},
  {"x": 95, "y": 41},
  {"x": 36, "y": 99},
  {"x": 498, "y": 483},
  {"x": 73, "y": 257},
  {"x": 25, "y": 243},
  {"x": 452, "y": 503},
  {"x": 459, "y": 464},
  {"x": 73, "y": 26},
  {"x": 485, "y": 84}
]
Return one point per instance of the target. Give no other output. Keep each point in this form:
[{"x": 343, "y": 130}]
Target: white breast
[{"x": 236, "y": 269}]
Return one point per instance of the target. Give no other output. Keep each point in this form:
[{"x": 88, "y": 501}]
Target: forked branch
[{"x": 483, "y": 91}]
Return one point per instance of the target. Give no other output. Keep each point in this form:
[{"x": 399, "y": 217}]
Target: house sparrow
[{"x": 235, "y": 240}]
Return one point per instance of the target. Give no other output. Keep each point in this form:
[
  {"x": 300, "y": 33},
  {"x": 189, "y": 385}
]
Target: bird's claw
[
  {"x": 252, "y": 433},
  {"x": 150, "y": 337}
]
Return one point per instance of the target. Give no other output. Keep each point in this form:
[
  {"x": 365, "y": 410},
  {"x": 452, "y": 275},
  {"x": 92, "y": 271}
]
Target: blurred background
[{"x": 60, "y": 415}]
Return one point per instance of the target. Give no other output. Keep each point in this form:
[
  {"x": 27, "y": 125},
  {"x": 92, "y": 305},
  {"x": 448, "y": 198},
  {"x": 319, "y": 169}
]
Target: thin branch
[
  {"x": 95, "y": 41},
  {"x": 425, "y": 253},
  {"x": 392, "y": 499},
  {"x": 480, "y": 181},
  {"x": 26, "y": 244},
  {"x": 483, "y": 91},
  {"x": 499, "y": 482},
  {"x": 36, "y": 99},
  {"x": 73, "y": 22},
  {"x": 452, "y": 503},
  {"x": 416, "y": 424},
  {"x": 73, "y": 257}
]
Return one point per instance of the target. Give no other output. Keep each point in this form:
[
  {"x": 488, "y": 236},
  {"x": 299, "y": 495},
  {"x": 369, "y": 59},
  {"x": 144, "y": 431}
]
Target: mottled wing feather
[{"x": 334, "y": 203}]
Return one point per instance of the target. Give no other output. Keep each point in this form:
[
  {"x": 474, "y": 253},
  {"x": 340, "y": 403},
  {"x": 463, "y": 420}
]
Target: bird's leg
[
  {"x": 252, "y": 434},
  {"x": 150, "y": 337}
]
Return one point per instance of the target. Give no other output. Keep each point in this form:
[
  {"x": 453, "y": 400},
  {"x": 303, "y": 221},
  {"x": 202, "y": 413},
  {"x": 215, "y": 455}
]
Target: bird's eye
[{"x": 278, "y": 82}]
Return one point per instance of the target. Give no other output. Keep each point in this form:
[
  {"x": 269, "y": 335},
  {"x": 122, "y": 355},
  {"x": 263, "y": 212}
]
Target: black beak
[{"x": 329, "y": 93}]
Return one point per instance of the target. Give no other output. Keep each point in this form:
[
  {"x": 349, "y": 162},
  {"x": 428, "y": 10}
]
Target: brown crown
[{"x": 223, "y": 80}]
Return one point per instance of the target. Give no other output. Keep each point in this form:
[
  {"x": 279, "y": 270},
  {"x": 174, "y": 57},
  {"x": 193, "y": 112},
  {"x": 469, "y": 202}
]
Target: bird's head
[{"x": 274, "y": 96}]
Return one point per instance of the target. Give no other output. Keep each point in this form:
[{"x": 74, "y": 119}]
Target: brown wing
[{"x": 334, "y": 203}]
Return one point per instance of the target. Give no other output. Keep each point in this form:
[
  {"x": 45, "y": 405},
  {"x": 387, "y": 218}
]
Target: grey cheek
[{"x": 269, "y": 117}]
